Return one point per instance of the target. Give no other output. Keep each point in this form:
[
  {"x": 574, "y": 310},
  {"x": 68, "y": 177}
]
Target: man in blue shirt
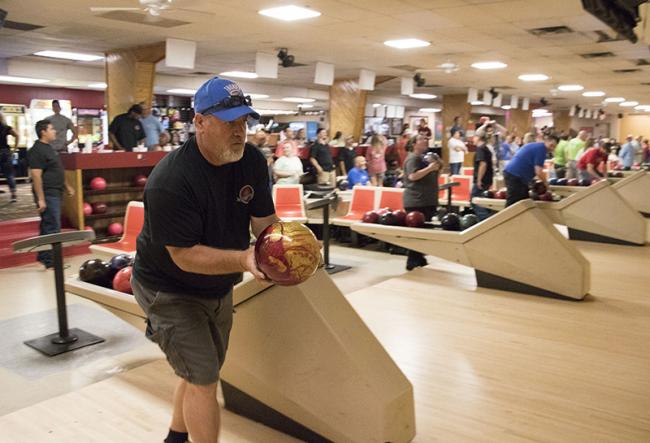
[
  {"x": 626, "y": 154},
  {"x": 153, "y": 129},
  {"x": 358, "y": 175},
  {"x": 527, "y": 163}
]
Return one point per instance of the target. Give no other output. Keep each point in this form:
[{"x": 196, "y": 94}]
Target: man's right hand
[
  {"x": 249, "y": 264},
  {"x": 42, "y": 206}
]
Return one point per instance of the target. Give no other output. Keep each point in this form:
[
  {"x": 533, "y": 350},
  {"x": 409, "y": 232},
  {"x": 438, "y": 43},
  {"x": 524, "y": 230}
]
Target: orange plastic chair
[
  {"x": 391, "y": 198},
  {"x": 363, "y": 200},
  {"x": 460, "y": 195},
  {"x": 289, "y": 205},
  {"x": 468, "y": 170},
  {"x": 133, "y": 222}
]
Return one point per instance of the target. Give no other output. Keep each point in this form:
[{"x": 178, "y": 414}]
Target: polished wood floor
[{"x": 487, "y": 366}]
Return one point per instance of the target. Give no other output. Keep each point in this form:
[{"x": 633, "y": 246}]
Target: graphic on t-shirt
[{"x": 246, "y": 194}]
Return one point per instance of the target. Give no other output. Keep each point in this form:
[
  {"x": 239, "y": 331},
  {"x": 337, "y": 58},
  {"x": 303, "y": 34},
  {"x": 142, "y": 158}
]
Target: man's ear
[{"x": 198, "y": 121}]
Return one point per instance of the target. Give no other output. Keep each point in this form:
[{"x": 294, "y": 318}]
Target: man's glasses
[{"x": 232, "y": 101}]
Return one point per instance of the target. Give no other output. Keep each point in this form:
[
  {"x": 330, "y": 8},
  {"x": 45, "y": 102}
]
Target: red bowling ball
[
  {"x": 97, "y": 184},
  {"x": 415, "y": 219},
  {"x": 400, "y": 217},
  {"x": 99, "y": 208},
  {"x": 573, "y": 182},
  {"x": 370, "y": 217},
  {"x": 383, "y": 211},
  {"x": 122, "y": 280},
  {"x": 500, "y": 195},
  {"x": 140, "y": 180},
  {"x": 115, "y": 229},
  {"x": 547, "y": 196},
  {"x": 87, "y": 209}
]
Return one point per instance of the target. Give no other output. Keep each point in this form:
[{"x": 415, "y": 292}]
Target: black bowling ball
[
  {"x": 120, "y": 261},
  {"x": 450, "y": 222},
  {"x": 343, "y": 185},
  {"x": 468, "y": 221},
  {"x": 487, "y": 194},
  {"x": 97, "y": 272},
  {"x": 387, "y": 219}
]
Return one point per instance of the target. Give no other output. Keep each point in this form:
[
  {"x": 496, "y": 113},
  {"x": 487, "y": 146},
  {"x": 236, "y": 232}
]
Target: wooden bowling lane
[{"x": 492, "y": 366}]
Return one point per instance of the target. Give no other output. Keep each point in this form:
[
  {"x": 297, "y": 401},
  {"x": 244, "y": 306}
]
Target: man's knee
[{"x": 201, "y": 390}]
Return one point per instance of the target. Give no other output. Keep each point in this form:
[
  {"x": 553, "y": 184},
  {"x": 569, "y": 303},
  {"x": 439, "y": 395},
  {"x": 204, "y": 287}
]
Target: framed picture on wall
[{"x": 396, "y": 126}]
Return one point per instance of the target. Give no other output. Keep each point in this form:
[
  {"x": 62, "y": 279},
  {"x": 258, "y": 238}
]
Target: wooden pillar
[
  {"x": 130, "y": 74},
  {"x": 561, "y": 121},
  {"x": 347, "y": 108},
  {"x": 519, "y": 122},
  {"x": 453, "y": 106}
]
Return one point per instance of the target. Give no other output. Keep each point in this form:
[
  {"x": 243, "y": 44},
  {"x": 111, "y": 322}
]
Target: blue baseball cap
[{"x": 224, "y": 99}]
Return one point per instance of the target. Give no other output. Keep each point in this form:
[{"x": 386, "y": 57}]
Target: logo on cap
[{"x": 233, "y": 89}]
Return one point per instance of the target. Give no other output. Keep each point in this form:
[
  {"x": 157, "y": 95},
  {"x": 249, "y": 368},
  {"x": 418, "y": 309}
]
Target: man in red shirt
[{"x": 589, "y": 163}]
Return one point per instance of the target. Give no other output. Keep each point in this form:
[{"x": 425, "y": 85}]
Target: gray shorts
[{"x": 193, "y": 332}]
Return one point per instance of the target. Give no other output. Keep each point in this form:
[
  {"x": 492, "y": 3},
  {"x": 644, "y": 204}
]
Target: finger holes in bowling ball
[{"x": 97, "y": 272}]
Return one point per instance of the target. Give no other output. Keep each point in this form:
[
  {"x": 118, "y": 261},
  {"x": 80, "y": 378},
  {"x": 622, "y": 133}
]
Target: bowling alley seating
[
  {"x": 460, "y": 195},
  {"x": 442, "y": 195},
  {"x": 468, "y": 170},
  {"x": 364, "y": 199},
  {"x": 391, "y": 198},
  {"x": 289, "y": 205},
  {"x": 517, "y": 249},
  {"x": 321, "y": 375},
  {"x": 133, "y": 222}
]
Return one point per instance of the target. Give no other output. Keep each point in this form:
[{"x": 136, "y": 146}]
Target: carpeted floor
[{"x": 23, "y": 208}]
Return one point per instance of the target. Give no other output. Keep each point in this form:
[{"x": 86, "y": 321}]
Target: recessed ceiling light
[
  {"x": 476, "y": 103},
  {"x": 430, "y": 109},
  {"x": 533, "y": 77},
  {"x": 12, "y": 79},
  {"x": 423, "y": 96},
  {"x": 506, "y": 107},
  {"x": 100, "y": 85},
  {"x": 239, "y": 74},
  {"x": 489, "y": 65},
  {"x": 258, "y": 96},
  {"x": 570, "y": 88},
  {"x": 182, "y": 91},
  {"x": 593, "y": 94},
  {"x": 407, "y": 43},
  {"x": 305, "y": 106},
  {"x": 642, "y": 108},
  {"x": 275, "y": 112},
  {"x": 298, "y": 100},
  {"x": 629, "y": 104},
  {"x": 70, "y": 56},
  {"x": 376, "y": 105},
  {"x": 614, "y": 100},
  {"x": 289, "y": 13}
]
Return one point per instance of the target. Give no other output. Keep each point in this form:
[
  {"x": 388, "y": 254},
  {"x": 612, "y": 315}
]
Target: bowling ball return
[
  {"x": 66, "y": 339},
  {"x": 300, "y": 360},
  {"x": 517, "y": 249},
  {"x": 635, "y": 189}
]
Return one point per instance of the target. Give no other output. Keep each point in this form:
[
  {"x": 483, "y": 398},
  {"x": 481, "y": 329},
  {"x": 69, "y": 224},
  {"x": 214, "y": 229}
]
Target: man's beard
[{"x": 234, "y": 153}]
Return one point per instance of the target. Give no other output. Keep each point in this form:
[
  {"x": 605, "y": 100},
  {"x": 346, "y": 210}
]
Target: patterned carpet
[{"x": 23, "y": 208}]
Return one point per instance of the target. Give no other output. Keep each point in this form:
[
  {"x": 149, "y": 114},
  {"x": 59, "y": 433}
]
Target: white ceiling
[{"x": 350, "y": 34}]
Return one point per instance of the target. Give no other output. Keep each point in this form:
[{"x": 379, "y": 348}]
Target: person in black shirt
[
  {"x": 5, "y": 156},
  {"x": 321, "y": 157},
  {"x": 126, "y": 131},
  {"x": 48, "y": 182},
  {"x": 483, "y": 175},
  {"x": 346, "y": 156},
  {"x": 200, "y": 202}
]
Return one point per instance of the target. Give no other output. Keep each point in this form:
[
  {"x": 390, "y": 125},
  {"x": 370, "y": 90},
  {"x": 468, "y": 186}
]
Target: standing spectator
[
  {"x": 646, "y": 151},
  {"x": 125, "y": 131},
  {"x": 376, "y": 158},
  {"x": 626, "y": 153},
  {"x": 346, "y": 156},
  {"x": 48, "y": 183},
  {"x": 338, "y": 141},
  {"x": 5, "y": 156},
  {"x": 457, "y": 150},
  {"x": 153, "y": 129},
  {"x": 456, "y": 127},
  {"x": 424, "y": 129},
  {"x": 420, "y": 190},
  {"x": 61, "y": 125},
  {"x": 516, "y": 144},
  {"x": 321, "y": 157},
  {"x": 638, "y": 149},
  {"x": 593, "y": 160},
  {"x": 559, "y": 156},
  {"x": 288, "y": 168},
  {"x": 289, "y": 140},
  {"x": 527, "y": 163},
  {"x": 358, "y": 175},
  {"x": 259, "y": 140},
  {"x": 483, "y": 175},
  {"x": 301, "y": 138},
  {"x": 573, "y": 147},
  {"x": 400, "y": 149}
]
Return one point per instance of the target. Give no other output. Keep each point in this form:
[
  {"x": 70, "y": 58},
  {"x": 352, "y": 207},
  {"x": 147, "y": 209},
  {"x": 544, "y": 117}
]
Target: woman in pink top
[{"x": 376, "y": 158}]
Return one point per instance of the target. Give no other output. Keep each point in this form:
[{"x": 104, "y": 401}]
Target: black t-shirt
[
  {"x": 128, "y": 131},
  {"x": 419, "y": 193},
  {"x": 4, "y": 133},
  {"x": 188, "y": 201},
  {"x": 322, "y": 155},
  {"x": 483, "y": 154},
  {"x": 43, "y": 156},
  {"x": 347, "y": 156}
]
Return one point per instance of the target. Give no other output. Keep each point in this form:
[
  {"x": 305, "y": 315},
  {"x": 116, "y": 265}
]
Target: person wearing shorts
[{"x": 200, "y": 202}]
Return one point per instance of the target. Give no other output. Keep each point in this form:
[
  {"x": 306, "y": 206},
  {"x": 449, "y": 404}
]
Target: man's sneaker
[{"x": 14, "y": 198}]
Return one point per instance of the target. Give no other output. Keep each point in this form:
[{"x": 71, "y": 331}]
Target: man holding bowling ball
[
  {"x": 200, "y": 202},
  {"x": 420, "y": 189},
  {"x": 527, "y": 164}
]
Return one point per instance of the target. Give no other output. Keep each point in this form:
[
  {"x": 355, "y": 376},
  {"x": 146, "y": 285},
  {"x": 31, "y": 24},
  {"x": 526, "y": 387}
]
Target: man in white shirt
[
  {"x": 288, "y": 168},
  {"x": 457, "y": 150}
]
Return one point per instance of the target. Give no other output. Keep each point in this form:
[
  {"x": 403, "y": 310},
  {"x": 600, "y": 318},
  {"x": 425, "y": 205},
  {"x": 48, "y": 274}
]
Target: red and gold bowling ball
[
  {"x": 97, "y": 184},
  {"x": 414, "y": 219},
  {"x": 370, "y": 217},
  {"x": 288, "y": 253},
  {"x": 122, "y": 280}
]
